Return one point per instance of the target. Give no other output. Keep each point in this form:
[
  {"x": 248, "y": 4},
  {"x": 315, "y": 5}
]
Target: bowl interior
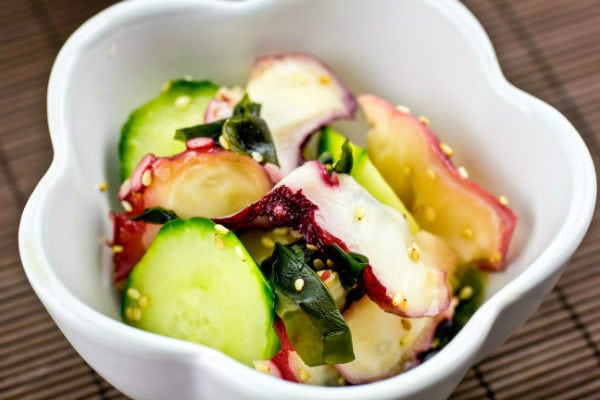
[{"x": 408, "y": 52}]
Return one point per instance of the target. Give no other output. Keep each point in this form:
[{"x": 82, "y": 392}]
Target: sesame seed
[
  {"x": 406, "y": 324},
  {"x": 117, "y": 248},
  {"x": 281, "y": 231},
  {"x": 133, "y": 293},
  {"x": 143, "y": 302},
  {"x": 465, "y": 293},
  {"x": 403, "y": 108},
  {"x": 341, "y": 381},
  {"x": 136, "y": 314},
  {"x": 182, "y": 102},
  {"x": 407, "y": 339},
  {"x": 503, "y": 200},
  {"x": 424, "y": 120},
  {"x": 311, "y": 247},
  {"x": 330, "y": 263},
  {"x": 413, "y": 252},
  {"x": 324, "y": 79},
  {"x": 318, "y": 263},
  {"x": 262, "y": 367},
  {"x": 221, "y": 229},
  {"x": 224, "y": 142},
  {"x": 430, "y": 173},
  {"x": 320, "y": 273},
  {"x": 299, "y": 284},
  {"x": 128, "y": 311},
  {"x": 496, "y": 257},
  {"x": 359, "y": 213},
  {"x": 446, "y": 149},
  {"x": 462, "y": 171},
  {"x": 127, "y": 206},
  {"x": 240, "y": 253},
  {"x": 429, "y": 213},
  {"x": 303, "y": 375},
  {"x": 399, "y": 300},
  {"x": 267, "y": 242},
  {"x": 147, "y": 178},
  {"x": 103, "y": 186},
  {"x": 166, "y": 87},
  {"x": 219, "y": 244},
  {"x": 467, "y": 233},
  {"x": 407, "y": 170},
  {"x": 257, "y": 156}
]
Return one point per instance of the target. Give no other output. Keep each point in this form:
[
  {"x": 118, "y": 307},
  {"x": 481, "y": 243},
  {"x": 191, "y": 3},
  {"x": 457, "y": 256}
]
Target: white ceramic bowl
[{"x": 431, "y": 55}]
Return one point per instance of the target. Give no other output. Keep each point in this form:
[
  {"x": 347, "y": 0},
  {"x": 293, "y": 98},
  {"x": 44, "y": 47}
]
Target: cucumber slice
[
  {"x": 151, "y": 128},
  {"x": 365, "y": 173},
  {"x": 199, "y": 284}
]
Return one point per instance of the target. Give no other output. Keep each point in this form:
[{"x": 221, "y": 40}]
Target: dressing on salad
[{"x": 346, "y": 266}]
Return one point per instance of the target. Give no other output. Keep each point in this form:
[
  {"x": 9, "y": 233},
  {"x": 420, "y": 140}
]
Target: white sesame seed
[
  {"x": 446, "y": 149},
  {"x": 240, "y": 253},
  {"x": 303, "y": 375},
  {"x": 144, "y": 301},
  {"x": 136, "y": 314},
  {"x": 397, "y": 298},
  {"x": 330, "y": 263},
  {"x": 267, "y": 242},
  {"x": 281, "y": 231},
  {"x": 413, "y": 252},
  {"x": 359, "y": 213},
  {"x": 407, "y": 340},
  {"x": 262, "y": 367},
  {"x": 128, "y": 311},
  {"x": 299, "y": 284},
  {"x": 406, "y": 324},
  {"x": 318, "y": 263},
  {"x": 103, "y": 186},
  {"x": 127, "y": 206},
  {"x": 424, "y": 120},
  {"x": 166, "y": 87},
  {"x": 430, "y": 173},
  {"x": 182, "y": 102},
  {"x": 312, "y": 247},
  {"x": 465, "y": 293},
  {"x": 117, "y": 248},
  {"x": 407, "y": 170},
  {"x": 219, "y": 244},
  {"x": 467, "y": 233},
  {"x": 462, "y": 171},
  {"x": 503, "y": 200},
  {"x": 221, "y": 229},
  {"x": 133, "y": 293},
  {"x": 257, "y": 156},
  {"x": 224, "y": 142},
  {"x": 430, "y": 213},
  {"x": 147, "y": 178},
  {"x": 403, "y": 108},
  {"x": 496, "y": 257},
  {"x": 324, "y": 79}
]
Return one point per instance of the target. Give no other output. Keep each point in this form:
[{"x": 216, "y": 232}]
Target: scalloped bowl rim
[{"x": 464, "y": 346}]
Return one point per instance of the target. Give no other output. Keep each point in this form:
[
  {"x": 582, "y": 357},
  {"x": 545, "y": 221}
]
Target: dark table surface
[{"x": 550, "y": 48}]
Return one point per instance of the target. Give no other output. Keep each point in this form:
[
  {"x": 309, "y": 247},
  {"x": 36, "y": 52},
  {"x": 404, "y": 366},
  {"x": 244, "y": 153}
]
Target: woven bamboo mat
[{"x": 550, "y": 48}]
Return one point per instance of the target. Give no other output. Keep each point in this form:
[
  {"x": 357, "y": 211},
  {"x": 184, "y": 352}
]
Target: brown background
[{"x": 550, "y": 48}]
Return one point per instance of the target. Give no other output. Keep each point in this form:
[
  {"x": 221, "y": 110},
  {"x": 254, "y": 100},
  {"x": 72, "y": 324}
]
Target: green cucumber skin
[
  {"x": 196, "y": 292},
  {"x": 151, "y": 127}
]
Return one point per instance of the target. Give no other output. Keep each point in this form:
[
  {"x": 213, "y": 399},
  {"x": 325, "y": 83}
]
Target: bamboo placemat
[{"x": 550, "y": 48}]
